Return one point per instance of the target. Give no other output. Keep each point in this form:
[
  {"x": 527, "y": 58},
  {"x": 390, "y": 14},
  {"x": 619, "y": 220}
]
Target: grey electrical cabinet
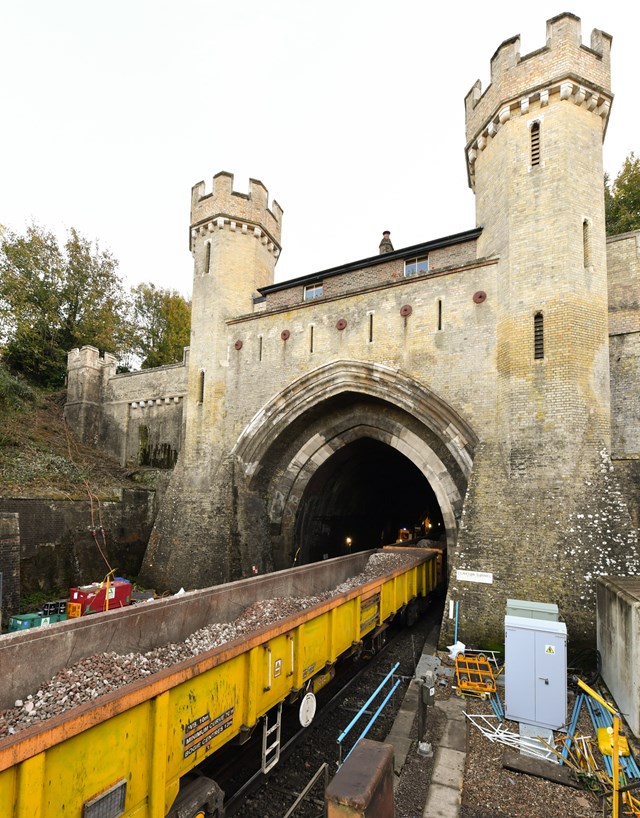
[
  {"x": 536, "y": 671},
  {"x": 532, "y": 610}
]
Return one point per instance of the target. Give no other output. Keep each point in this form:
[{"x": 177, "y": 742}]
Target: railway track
[{"x": 253, "y": 794}]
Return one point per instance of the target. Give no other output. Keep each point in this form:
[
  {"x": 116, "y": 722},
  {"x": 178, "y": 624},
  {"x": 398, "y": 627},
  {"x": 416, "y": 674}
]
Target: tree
[
  {"x": 53, "y": 299},
  {"x": 622, "y": 198},
  {"x": 162, "y": 319}
]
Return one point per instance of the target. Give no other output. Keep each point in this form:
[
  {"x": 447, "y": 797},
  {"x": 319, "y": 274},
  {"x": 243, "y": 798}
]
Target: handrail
[{"x": 362, "y": 710}]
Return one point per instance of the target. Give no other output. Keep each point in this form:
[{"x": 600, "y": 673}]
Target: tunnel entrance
[{"x": 360, "y": 498}]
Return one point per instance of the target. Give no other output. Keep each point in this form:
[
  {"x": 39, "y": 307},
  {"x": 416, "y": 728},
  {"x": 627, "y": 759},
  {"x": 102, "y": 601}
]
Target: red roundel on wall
[
  {"x": 479, "y": 297},
  {"x": 285, "y": 334},
  {"x": 341, "y": 324},
  {"x": 238, "y": 345},
  {"x": 406, "y": 310}
]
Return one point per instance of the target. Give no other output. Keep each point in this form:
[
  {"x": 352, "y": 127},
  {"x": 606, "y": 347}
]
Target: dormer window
[
  {"x": 415, "y": 266},
  {"x": 312, "y": 291}
]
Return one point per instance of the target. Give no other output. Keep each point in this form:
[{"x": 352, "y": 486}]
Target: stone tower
[
  {"x": 235, "y": 243},
  {"x": 534, "y": 154},
  {"x": 534, "y": 148}
]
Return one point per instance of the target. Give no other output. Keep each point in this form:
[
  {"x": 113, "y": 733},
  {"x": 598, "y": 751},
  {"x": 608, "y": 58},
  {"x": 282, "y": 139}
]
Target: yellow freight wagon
[{"x": 125, "y": 753}]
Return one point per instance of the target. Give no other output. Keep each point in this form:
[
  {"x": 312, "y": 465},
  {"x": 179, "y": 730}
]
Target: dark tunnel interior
[{"x": 361, "y": 498}]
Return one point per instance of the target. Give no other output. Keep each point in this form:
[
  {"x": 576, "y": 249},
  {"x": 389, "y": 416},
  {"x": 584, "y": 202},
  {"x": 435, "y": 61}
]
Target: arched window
[
  {"x": 538, "y": 336},
  {"x": 535, "y": 144}
]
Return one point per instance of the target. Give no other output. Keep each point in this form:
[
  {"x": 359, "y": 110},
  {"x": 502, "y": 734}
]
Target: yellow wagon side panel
[
  {"x": 83, "y": 766},
  {"x": 274, "y": 681},
  {"x": 323, "y": 638},
  {"x": 344, "y": 628},
  {"x": 8, "y": 789},
  {"x": 204, "y": 713}
]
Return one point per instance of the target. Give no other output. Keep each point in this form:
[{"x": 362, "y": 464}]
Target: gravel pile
[{"x": 102, "y": 673}]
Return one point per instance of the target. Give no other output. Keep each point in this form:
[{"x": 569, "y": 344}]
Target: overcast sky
[{"x": 351, "y": 113}]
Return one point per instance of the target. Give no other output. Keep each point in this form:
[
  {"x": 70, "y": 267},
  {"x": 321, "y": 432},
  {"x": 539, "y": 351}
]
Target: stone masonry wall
[
  {"x": 9, "y": 565},
  {"x": 57, "y": 542},
  {"x": 135, "y": 416},
  {"x": 623, "y": 264},
  {"x": 143, "y": 415},
  {"x": 456, "y": 361},
  {"x": 535, "y": 541}
]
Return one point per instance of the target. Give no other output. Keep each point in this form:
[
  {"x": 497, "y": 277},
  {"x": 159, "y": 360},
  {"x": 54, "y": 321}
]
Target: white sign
[{"x": 475, "y": 576}]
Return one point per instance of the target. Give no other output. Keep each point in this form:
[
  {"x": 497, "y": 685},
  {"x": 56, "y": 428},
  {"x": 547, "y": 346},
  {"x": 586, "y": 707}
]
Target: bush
[{"x": 15, "y": 392}]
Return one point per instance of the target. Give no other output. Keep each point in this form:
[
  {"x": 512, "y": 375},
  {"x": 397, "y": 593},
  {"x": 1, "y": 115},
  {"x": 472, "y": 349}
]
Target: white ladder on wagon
[{"x": 271, "y": 752}]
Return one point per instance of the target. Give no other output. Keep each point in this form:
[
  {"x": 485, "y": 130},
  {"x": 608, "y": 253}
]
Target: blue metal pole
[
  {"x": 367, "y": 703},
  {"x": 455, "y": 630}
]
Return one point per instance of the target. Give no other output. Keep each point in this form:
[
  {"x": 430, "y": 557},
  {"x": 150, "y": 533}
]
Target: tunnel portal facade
[{"x": 477, "y": 382}]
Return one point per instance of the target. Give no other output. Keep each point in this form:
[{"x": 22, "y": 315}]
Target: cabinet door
[
  {"x": 520, "y": 673},
  {"x": 550, "y": 680}
]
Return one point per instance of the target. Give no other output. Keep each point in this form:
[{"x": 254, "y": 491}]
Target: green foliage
[
  {"x": 53, "y": 299},
  {"x": 32, "y": 601},
  {"x": 162, "y": 323},
  {"x": 622, "y": 198},
  {"x": 15, "y": 392}
]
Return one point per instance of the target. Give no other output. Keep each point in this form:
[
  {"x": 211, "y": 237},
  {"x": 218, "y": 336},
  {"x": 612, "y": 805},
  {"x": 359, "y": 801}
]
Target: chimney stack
[{"x": 385, "y": 244}]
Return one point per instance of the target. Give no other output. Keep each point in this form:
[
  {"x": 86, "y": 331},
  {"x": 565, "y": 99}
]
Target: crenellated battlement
[
  {"x": 227, "y": 208},
  {"x": 89, "y": 357},
  {"x": 564, "y": 69}
]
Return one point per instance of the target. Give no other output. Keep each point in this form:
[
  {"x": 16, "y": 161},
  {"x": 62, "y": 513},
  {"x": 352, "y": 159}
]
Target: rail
[{"x": 322, "y": 770}]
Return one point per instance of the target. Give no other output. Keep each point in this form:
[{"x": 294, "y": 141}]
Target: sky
[{"x": 351, "y": 113}]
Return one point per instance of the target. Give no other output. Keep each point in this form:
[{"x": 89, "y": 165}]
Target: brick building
[{"x": 483, "y": 384}]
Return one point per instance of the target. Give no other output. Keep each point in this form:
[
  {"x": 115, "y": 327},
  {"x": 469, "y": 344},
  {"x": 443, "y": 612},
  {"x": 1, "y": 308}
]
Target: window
[
  {"x": 439, "y": 314},
  {"x": 207, "y": 259},
  {"x": 586, "y": 242},
  {"x": 415, "y": 266},
  {"x": 259, "y": 347},
  {"x": 538, "y": 336},
  {"x": 201, "y": 387},
  {"x": 311, "y": 338},
  {"x": 370, "y": 327},
  {"x": 312, "y": 291},
  {"x": 535, "y": 144}
]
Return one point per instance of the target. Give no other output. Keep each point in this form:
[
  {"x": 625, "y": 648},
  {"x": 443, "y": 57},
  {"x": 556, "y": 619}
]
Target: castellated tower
[
  {"x": 534, "y": 158},
  {"x": 235, "y": 242}
]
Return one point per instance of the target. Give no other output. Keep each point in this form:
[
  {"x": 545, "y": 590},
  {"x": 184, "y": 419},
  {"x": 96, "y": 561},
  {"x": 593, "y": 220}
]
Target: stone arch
[
  {"x": 393, "y": 409},
  {"x": 370, "y": 379}
]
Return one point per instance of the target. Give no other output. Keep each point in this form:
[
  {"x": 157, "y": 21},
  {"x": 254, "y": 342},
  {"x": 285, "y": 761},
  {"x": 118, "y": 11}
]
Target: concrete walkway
[
  {"x": 444, "y": 795},
  {"x": 443, "y": 798}
]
